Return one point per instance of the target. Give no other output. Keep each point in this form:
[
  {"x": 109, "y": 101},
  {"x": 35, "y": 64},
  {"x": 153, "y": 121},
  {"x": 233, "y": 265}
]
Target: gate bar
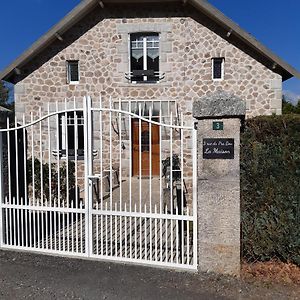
[
  {"x": 195, "y": 198},
  {"x": 86, "y": 173}
]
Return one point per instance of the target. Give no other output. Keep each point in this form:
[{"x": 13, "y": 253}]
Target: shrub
[
  {"x": 66, "y": 187},
  {"x": 270, "y": 188}
]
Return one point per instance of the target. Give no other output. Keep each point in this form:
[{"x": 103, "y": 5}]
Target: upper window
[
  {"x": 71, "y": 134},
  {"x": 73, "y": 71},
  {"x": 218, "y": 68},
  {"x": 144, "y": 57}
]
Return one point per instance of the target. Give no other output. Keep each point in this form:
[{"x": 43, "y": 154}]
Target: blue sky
[{"x": 274, "y": 23}]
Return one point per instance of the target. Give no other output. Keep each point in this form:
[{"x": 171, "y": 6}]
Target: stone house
[
  {"x": 158, "y": 54},
  {"x": 155, "y": 60}
]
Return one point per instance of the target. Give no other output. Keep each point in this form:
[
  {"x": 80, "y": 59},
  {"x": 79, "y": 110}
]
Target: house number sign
[
  {"x": 218, "y": 125},
  {"x": 218, "y": 148}
]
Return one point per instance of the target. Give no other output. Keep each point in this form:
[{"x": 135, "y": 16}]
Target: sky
[{"x": 274, "y": 23}]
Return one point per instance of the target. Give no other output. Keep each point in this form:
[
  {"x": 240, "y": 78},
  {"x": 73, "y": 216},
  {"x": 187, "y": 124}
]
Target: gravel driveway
[{"x": 29, "y": 276}]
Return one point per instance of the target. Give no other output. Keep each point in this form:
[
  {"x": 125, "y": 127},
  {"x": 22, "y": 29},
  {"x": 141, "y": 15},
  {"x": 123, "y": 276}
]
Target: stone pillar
[{"x": 219, "y": 121}]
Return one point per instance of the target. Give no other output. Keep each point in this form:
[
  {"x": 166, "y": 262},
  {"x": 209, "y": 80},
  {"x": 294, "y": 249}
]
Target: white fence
[{"x": 101, "y": 182}]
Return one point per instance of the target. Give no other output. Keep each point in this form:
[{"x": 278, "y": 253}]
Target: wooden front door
[{"x": 145, "y": 148}]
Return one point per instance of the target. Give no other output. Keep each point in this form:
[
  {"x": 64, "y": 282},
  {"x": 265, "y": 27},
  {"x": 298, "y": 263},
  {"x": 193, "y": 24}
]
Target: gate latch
[{"x": 94, "y": 177}]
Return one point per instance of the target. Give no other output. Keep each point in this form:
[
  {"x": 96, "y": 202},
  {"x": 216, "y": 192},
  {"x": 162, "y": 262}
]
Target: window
[
  {"x": 218, "y": 68},
  {"x": 73, "y": 71},
  {"x": 71, "y": 134},
  {"x": 144, "y": 57}
]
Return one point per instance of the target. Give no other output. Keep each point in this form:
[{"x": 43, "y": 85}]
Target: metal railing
[{"x": 112, "y": 205}]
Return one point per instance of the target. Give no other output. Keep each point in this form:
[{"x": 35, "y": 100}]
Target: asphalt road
[{"x": 29, "y": 276}]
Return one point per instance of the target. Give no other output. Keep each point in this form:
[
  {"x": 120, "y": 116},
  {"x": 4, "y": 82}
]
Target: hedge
[{"x": 270, "y": 188}]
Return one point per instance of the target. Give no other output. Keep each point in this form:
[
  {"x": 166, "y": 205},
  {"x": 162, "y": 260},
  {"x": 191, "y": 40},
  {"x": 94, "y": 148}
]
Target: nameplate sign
[{"x": 218, "y": 148}]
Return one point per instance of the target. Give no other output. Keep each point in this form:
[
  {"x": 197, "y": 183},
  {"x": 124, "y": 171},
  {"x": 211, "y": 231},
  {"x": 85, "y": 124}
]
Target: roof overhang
[{"x": 274, "y": 62}]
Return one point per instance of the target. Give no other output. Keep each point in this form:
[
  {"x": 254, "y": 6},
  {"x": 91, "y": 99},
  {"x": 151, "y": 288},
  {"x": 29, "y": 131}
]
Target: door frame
[{"x": 154, "y": 148}]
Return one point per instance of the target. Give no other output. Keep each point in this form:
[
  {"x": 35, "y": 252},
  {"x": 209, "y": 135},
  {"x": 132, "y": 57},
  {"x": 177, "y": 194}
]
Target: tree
[
  {"x": 289, "y": 108},
  {"x": 5, "y": 92}
]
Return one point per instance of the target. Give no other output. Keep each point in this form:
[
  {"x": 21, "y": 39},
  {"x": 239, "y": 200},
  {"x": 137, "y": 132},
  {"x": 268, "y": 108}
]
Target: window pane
[
  {"x": 153, "y": 64},
  {"x": 71, "y": 137},
  {"x": 67, "y": 132},
  {"x": 142, "y": 69},
  {"x": 80, "y": 138},
  {"x": 73, "y": 71},
  {"x": 217, "y": 68}
]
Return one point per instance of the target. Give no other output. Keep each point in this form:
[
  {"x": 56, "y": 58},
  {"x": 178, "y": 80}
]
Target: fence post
[{"x": 218, "y": 202}]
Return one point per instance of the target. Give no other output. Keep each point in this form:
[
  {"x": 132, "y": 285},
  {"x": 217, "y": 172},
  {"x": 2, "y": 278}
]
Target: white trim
[
  {"x": 63, "y": 125},
  {"x": 145, "y": 64},
  {"x": 103, "y": 258},
  {"x": 222, "y": 69}
]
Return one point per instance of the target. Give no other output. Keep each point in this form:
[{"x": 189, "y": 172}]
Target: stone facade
[
  {"x": 187, "y": 45},
  {"x": 188, "y": 42}
]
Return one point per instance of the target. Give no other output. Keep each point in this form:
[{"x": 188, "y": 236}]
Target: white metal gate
[{"x": 82, "y": 181}]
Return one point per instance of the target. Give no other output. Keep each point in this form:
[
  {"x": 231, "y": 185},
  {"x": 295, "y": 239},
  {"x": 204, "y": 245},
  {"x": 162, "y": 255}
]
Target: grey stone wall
[{"x": 188, "y": 43}]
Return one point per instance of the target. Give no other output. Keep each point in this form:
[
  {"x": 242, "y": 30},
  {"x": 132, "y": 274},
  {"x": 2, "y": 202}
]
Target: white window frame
[
  {"x": 145, "y": 65},
  {"x": 222, "y": 68},
  {"x": 69, "y": 62},
  {"x": 64, "y": 124}
]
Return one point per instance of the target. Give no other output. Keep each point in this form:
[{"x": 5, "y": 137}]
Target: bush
[
  {"x": 270, "y": 188},
  {"x": 66, "y": 187}
]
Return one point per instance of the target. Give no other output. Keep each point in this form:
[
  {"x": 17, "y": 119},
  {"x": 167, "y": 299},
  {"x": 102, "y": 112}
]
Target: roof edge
[
  {"x": 62, "y": 26},
  {"x": 84, "y": 7},
  {"x": 234, "y": 28}
]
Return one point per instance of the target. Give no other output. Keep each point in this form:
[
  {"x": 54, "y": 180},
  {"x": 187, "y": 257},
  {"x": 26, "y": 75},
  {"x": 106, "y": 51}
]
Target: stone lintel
[{"x": 219, "y": 105}]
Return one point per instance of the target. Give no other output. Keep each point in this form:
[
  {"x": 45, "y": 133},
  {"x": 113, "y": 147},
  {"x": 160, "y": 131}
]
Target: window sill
[
  {"x": 143, "y": 85},
  {"x": 79, "y": 158},
  {"x": 71, "y": 157}
]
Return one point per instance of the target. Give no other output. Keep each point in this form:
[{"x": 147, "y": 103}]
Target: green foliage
[
  {"x": 166, "y": 166},
  {"x": 289, "y": 108},
  {"x": 4, "y": 97},
  {"x": 42, "y": 184},
  {"x": 270, "y": 188}
]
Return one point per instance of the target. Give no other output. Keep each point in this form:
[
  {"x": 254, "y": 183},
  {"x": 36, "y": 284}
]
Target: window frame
[
  {"x": 62, "y": 138},
  {"x": 222, "y": 68},
  {"x": 69, "y": 63},
  {"x": 145, "y": 35}
]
